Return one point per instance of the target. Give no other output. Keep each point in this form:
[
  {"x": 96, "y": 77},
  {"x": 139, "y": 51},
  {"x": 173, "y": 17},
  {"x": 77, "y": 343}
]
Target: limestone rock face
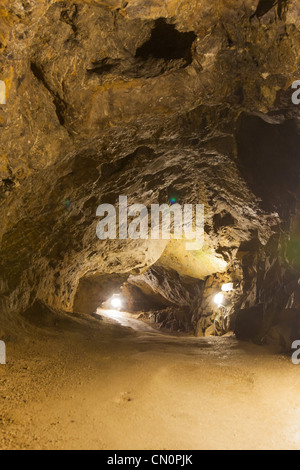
[{"x": 149, "y": 99}]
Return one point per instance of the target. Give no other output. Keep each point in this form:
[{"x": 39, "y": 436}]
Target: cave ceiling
[{"x": 105, "y": 98}]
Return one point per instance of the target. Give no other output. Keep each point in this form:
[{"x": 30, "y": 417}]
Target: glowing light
[
  {"x": 116, "y": 302},
  {"x": 219, "y": 298},
  {"x": 227, "y": 287}
]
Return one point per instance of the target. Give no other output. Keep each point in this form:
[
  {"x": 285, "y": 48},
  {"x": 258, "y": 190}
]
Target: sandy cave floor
[{"x": 103, "y": 386}]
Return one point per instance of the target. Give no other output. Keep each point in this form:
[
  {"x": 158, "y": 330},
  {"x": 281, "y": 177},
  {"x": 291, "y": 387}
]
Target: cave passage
[{"x": 150, "y": 225}]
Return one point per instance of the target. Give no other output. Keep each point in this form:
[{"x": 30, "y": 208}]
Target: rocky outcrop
[{"x": 146, "y": 99}]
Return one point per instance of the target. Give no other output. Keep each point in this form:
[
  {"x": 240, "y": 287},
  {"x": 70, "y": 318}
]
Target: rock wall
[{"x": 143, "y": 99}]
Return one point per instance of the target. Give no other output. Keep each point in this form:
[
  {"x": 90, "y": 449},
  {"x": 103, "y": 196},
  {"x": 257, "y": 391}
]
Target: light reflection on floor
[{"x": 127, "y": 320}]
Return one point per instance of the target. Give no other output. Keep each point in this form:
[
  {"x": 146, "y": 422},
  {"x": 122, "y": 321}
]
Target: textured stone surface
[{"x": 142, "y": 98}]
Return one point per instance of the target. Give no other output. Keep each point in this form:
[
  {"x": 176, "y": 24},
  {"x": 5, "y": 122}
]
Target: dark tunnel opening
[{"x": 268, "y": 158}]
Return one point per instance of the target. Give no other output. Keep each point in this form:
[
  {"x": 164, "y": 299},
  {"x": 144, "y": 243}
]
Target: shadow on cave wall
[{"x": 268, "y": 159}]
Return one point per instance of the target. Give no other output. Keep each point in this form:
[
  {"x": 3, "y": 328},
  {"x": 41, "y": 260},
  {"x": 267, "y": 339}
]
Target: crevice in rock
[
  {"x": 68, "y": 16},
  {"x": 167, "y": 43},
  {"x": 222, "y": 220},
  {"x": 127, "y": 163},
  {"x": 166, "y": 50},
  {"x": 264, "y": 6},
  {"x": 282, "y": 8},
  {"x": 104, "y": 66},
  {"x": 60, "y": 105},
  {"x": 8, "y": 184}
]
